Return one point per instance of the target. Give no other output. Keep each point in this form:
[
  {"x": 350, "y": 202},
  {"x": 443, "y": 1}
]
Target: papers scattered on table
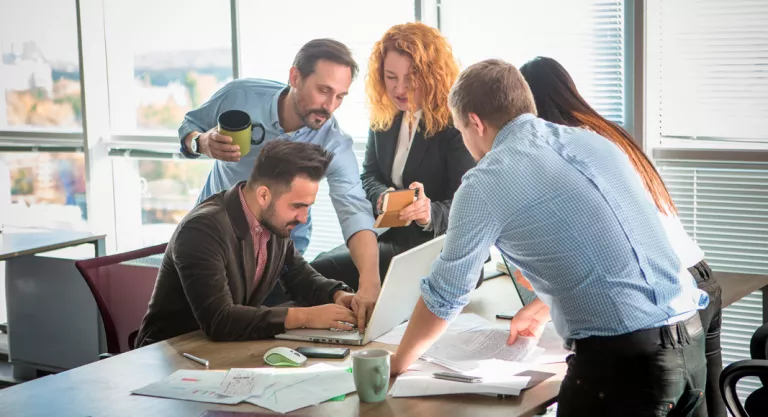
[
  {"x": 482, "y": 344},
  {"x": 553, "y": 345},
  {"x": 462, "y": 323},
  {"x": 289, "y": 391},
  {"x": 498, "y": 378},
  {"x": 191, "y": 385},
  {"x": 280, "y": 390}
]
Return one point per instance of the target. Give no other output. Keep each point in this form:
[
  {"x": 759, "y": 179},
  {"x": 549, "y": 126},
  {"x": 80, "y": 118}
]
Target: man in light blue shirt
[
  {"x": 566, "y": 207},
  {"x": 319, "y": 79}
]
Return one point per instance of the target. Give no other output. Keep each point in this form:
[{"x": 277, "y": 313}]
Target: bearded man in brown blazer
[{"x": 229, "y": 252}]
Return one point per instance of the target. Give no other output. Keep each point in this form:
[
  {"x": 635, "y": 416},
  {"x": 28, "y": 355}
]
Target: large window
[
  {"x": 585, "y": 36},
  {"x": 268, "y": 49},
  {"x": 47, "y": 189},
  {"x": 155, "y": 194},
  {"x": 707, "y": 123},
  {"x": 269, "y": 40},
  {"x": 39, "y": 70},
  {"x": 165, "y": 58}
]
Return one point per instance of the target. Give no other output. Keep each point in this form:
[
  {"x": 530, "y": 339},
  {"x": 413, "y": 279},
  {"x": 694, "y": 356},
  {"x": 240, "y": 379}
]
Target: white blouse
[{"x": 404, "y": 140}]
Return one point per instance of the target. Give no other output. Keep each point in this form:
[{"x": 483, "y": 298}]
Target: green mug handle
[{"x": 379, "y": 381}]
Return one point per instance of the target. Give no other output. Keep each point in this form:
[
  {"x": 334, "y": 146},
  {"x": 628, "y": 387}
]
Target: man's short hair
[
  {"x": 494, "y": 90},
  {"x": 328, "y": 49},
  {"x": 280, "y": 161}
]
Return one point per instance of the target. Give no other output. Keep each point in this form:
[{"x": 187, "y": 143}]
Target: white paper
[
  {"x": 553, "y": 345},
  {"x": 482, "y": 344},
  {"x": 293, "y": 389},
  {"x": 462, "y": 323},
  {"x": 498, "y": 378},
  {"x": 241, "y": 382},
  {"x": 192, "y": 385}
]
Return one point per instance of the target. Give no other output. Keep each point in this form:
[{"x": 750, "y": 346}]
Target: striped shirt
[{"x": 570, "y": 212}]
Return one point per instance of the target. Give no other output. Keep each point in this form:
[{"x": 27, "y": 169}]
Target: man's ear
[
  {"x": 477, "y": 124},
  {"x": 294, "y": 77},
  {"x": 263, "y": 195}
]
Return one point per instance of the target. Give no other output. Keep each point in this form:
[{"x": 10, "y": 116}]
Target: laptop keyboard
[{"x": 354, "y": 330}]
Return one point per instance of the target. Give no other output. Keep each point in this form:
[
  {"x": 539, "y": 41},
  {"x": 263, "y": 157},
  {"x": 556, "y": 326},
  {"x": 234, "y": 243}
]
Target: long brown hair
[{"x": 558, "y": 101}]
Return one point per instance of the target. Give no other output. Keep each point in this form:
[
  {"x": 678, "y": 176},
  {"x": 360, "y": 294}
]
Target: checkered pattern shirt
[
  {"x": 260, "y": 238},
  {"x": 566, "y": 207}
]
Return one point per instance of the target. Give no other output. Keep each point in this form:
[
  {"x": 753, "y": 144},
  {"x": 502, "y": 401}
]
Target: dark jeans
[
  {"x": 711, "y": 321},
  {"x": 654, "y": 372}
]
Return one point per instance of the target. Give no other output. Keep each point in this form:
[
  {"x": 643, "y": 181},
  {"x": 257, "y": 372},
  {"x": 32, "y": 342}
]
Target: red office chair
[{"x": 122, "y": 285}]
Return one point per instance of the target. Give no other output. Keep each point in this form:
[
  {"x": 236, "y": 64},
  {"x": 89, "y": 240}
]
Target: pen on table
[{"x": 203, "y": 362}]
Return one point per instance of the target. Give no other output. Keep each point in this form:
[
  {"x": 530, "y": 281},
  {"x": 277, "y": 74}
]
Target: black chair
[{"x": 757, "y": 402}]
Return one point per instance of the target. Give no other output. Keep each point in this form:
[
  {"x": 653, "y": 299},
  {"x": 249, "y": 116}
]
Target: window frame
[{"x": 103, "y": 145}]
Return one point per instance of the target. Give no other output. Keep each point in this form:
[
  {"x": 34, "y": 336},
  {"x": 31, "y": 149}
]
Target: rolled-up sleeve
[
  {"x": 203, "y": 118},
  {"x": 346, "y": 191},
  {"x": 472, "y": 229}
]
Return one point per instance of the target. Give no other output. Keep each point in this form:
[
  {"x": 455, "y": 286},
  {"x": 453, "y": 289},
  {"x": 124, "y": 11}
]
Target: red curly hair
[{"x": 433, "y": 68}]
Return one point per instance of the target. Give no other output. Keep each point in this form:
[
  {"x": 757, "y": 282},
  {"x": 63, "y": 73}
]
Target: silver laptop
[{"x": 398, "y": 297}]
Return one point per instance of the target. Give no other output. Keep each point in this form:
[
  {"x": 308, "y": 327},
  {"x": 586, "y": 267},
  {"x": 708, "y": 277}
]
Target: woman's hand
[{"x": 421, "y": 209}]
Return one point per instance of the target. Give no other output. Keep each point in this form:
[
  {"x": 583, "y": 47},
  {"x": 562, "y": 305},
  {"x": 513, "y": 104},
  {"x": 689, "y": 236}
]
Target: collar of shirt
[
  {"x": 416, "y": 118},
  {"x": 253, "y": 223},
  {"x": 509, "y": 129},
  {"x": 275, "y": 105}
]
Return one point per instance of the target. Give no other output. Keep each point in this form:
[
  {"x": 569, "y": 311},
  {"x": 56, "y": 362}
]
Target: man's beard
[
  {"x": 305, "y": 115},
  {"x": 266, "y": 222}
]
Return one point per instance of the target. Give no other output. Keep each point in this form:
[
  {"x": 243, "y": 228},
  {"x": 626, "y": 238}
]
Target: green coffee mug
[
  {"x": 370, "y": 369},
  {"x": 237, "y": 125}
]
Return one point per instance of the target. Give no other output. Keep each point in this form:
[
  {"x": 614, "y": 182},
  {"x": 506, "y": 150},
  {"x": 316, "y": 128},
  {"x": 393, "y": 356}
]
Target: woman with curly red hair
[{"x": 411, "y": 143}]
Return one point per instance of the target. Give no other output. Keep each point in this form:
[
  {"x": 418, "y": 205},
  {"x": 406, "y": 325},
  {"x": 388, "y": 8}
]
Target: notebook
[{"x": 391, "y": 204}]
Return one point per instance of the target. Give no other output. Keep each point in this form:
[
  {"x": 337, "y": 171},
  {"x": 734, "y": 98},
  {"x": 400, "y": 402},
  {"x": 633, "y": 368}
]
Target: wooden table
[
  {"x": 103, "y": 388},
  {"x": 737, "y": 286}
]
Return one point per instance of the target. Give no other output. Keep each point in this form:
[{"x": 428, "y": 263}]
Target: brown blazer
[{"x": 206, "y": 278}]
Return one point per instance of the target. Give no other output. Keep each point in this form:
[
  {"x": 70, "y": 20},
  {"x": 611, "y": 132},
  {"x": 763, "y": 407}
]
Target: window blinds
[
  {"x": 587, "y": 37},
  {"x": 713, "y": 69},
  {"x": 724, "y": 207}
]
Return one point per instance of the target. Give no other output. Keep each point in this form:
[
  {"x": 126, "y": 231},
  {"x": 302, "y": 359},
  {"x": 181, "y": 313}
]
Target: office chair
[
  {"x": 122, "y": 285},
  {"x": 757, "y": 402}
]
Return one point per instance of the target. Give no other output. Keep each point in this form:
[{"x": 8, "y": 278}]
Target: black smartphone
[{"x": 326, "y": 353}]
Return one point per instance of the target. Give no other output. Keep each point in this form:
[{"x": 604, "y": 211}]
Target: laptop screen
[{"x": 526, "y": 295}]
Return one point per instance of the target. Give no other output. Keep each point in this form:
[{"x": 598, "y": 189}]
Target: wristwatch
[
  {"x": 194, "y": 149},
  {"x": 196, "y": 144}
]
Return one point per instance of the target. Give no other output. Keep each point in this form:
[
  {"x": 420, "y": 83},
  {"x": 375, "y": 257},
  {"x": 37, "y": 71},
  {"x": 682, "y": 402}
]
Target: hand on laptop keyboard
[{"x": 354, "y": 330}]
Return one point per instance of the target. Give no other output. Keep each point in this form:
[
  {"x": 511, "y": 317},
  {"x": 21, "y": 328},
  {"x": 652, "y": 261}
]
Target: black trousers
[
  {"x": 711, "y": 321},
  {"x": 654, "y": 372}
]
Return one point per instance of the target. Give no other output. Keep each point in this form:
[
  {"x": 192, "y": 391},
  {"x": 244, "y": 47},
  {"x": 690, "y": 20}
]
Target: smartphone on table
[{"x": 324, "y": 353}]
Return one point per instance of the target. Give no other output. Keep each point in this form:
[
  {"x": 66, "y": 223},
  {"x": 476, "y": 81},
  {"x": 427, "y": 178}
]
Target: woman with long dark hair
[{"x": 558, "y": 101}]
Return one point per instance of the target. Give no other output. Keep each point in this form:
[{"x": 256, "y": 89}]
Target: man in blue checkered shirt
[{"x": 566, "y": 207}]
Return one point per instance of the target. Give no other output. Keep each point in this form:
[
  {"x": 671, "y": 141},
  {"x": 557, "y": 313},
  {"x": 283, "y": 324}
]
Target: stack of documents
[
  {"x": 280, "y": 390},
  {"x": 471, "y": 337},
  {"x": 477, "y": 347},
  {"x": 468, "y": 350},
  {"x": 498, "y": 378}
]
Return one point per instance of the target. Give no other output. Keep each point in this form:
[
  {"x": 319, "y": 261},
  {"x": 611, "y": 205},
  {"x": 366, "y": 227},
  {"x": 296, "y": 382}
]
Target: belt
[{"x": 671, "y": 335}]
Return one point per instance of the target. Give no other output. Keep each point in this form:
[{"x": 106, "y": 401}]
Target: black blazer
[{"x": 438, "y": 162}]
